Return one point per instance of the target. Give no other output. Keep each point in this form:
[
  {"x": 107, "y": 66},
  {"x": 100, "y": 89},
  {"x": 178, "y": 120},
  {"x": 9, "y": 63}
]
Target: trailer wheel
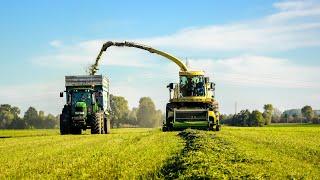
[
  {"x": 65, "y": 121},
  {"x": 106, "y": 125},
  {"x": 96, "y": 127}
]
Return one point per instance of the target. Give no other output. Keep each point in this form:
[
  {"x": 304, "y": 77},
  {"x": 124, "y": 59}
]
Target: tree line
[
  {"x": 272, "y": 115},
  {"x": 145, "y": 115},
  {"x": 32, "y": 119}
]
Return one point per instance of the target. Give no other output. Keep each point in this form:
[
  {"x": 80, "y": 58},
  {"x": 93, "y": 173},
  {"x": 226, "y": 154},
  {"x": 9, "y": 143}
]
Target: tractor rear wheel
[
  {"x": 97, "y": 124},
  {"x": 65, "y": 121}
]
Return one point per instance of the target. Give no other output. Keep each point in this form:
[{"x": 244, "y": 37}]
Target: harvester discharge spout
[{"x": 94, "y": 68}]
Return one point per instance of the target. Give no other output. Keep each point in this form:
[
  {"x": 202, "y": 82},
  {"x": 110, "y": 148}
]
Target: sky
[{"x": 256, "y": 51}]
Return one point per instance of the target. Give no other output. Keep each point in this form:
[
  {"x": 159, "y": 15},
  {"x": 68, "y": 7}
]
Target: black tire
[
  {"x": 168, "y": 126},
  {"x": 211, "y": 127},
  {"x": 164, "y": 128},
  {"x": 65, "y": 121},
  {"x": 218, "y": 127},
  {"x": 106, "y": 125},
  {"x": 96, "y": 124}
]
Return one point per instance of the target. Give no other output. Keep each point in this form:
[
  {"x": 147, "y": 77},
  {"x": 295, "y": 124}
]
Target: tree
[
  {"x": 307, "y": 112},
  {"x": 242, "y": 118},
  {"x": 276, "y": 115},
  {"x": 147, "y": 115},
  {"x": 256, "y": 118},
  {"x": 267, "y": 114},
  {"x": 8, "y": 114},
  {"x": 132, "y": 117},
  {"x": 50, "y": 121},
  {"x": 119, "y": 110},
  {"x": 18, "y": 124},
  {"x": 31, "y": 118}
]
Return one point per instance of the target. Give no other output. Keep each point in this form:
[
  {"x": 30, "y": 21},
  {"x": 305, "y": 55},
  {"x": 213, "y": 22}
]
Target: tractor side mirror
[
  {"x": 212, "y": 86},
  {"x": 93, "y": 97},
  {"x": 206, "y": 80},
  {"x": 170, "y": 86},
  {"x": 61, "y": 94}
]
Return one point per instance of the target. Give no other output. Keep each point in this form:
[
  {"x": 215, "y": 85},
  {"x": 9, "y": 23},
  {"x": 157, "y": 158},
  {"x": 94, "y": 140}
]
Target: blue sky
[{"x": 256, "y": 51}]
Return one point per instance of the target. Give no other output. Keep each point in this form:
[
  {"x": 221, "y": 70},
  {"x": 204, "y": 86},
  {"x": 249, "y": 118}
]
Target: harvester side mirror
[
  {"x": 206, "y": 80},
  {"x": 212, "y": 86},
  {"x": 170, "y": 86},
  {"x": 61, "y": 94}
]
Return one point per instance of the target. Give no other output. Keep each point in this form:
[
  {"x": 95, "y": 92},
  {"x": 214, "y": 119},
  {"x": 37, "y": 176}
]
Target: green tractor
[{"x": 87, "y": 105}]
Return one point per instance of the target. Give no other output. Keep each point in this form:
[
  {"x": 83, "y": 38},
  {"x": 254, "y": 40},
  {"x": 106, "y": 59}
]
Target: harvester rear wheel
[
  {"x": 97, "y": 127},
  {"x": 218, "y": 127}
]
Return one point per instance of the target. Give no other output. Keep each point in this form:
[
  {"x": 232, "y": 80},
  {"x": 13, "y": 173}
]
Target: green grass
[
  {"x": 126, "y": 153},
  {"x": 273, "y": 152}
]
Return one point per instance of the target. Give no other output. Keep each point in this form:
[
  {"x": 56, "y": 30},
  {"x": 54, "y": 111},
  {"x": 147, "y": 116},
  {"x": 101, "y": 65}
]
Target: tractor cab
[{"x": 82, "y": 101}]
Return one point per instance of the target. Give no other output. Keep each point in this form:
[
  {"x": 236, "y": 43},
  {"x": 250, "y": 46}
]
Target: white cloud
[
  {"x": 296, "y": 24},
  {"x": 56, "y": 43},
  {"x": 84, "y": 53},
  {"x": 261, "y": 71},
  {"x": 42, "y": 96}
]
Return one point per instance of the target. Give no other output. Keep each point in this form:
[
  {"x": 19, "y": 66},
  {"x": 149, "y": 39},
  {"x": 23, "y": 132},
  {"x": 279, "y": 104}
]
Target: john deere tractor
[
  {"x": 87, "y": 105},
  {"x": 191, "y": 104}
]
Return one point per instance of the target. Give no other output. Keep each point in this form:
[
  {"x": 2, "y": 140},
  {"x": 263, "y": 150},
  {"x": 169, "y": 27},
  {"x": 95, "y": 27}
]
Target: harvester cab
[
  {"x": 87, "y": 105},
  {"x": 192, "y": 103}
]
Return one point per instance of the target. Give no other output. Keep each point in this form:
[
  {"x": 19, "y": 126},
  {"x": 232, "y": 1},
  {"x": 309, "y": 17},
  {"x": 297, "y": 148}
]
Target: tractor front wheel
[{"x": 97, "y": 124}]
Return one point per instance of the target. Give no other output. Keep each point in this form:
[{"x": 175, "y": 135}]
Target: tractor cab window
[
  {"x": 192, "y": 86},
  {"x": 81, "y": 96}
]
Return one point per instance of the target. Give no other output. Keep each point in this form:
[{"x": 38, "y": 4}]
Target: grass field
[{"x": 286, "y": 152}]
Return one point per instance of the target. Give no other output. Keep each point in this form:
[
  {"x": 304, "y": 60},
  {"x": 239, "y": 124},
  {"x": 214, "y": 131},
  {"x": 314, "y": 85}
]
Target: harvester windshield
[{"x": 192, "y": 86}]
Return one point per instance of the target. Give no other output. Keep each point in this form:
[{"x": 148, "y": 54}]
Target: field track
[{"x": 268, "y": 152}]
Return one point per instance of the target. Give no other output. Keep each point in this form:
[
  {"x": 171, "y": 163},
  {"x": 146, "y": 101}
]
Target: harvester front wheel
[
  {"x": 211, "y": 127},
  {"x": 97, "y": 127},
  {"x": 169, "y": 125}
]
